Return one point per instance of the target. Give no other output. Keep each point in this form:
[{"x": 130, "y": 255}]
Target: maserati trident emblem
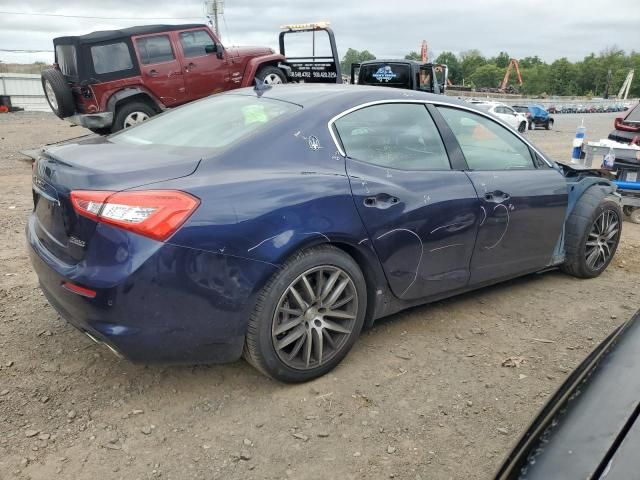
[{"x": 314, "y": 143}]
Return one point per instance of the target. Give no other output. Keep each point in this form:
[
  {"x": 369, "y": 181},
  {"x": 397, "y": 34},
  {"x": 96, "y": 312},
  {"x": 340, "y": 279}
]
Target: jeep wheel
[
  {"x": 131, "y": 114},
  {"x": 57, "y": 92},
  {"x": 271, "y": 75}
]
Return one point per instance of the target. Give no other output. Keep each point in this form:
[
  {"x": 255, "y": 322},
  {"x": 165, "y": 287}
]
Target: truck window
[
  {"x": 112, "y": 57},
  {"x": 156, "y": 49},
  {"x": 194, "y": 43},
  {"x": 385, "y": 74}
]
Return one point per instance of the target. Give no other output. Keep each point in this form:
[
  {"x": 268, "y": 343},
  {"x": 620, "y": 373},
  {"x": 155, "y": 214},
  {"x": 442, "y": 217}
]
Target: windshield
[{"x": 214, "y": 123}]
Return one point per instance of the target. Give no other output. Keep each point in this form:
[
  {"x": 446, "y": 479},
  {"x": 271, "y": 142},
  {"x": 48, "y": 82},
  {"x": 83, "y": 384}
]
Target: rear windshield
[
  {"x": 386, "y": 74},
  {"x": 112, "y": 57},
  {"x": 66, "y": 59},
  {"x": 213, "y": 123}
]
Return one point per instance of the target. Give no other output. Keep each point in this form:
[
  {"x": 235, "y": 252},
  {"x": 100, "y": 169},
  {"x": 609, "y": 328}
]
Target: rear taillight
[
  {"x": 153, "y": 213},
  {"x": 620, "y": 124}
]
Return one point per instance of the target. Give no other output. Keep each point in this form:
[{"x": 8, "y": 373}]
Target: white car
[{"x": 508, "y": 115}]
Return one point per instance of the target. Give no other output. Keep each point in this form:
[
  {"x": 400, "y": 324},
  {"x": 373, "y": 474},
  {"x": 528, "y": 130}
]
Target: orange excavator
[{"x": 504, "y": 86}]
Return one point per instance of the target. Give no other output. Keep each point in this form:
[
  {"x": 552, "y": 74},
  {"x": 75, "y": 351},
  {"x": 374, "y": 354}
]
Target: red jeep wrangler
[{"x": 110, "y": 80}]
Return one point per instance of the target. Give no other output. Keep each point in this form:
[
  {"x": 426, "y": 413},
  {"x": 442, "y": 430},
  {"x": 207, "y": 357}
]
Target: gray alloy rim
[
  {"x": 134, "y": 118},
  {"x": 272, "y": 79},
  {"x": 602, "y": 239},
  {"x": 51, "y": 96},
  {"x": 314, "y": 317}
]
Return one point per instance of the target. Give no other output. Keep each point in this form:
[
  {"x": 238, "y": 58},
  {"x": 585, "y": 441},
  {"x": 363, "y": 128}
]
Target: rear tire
[
  {"x": 548, "y": 124},
  {"x": 298, "y": 331},
  {"x": 131, "y": 114},
  {"x": 589, "y": 250},
  {"x": 57, "y": 92},
  {"x": 522, "y": 127},
  {"x": 271, "y": 75}
]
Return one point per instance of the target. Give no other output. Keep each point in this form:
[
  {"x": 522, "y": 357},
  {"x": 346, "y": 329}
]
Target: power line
[{"x": 98, "y": 18}]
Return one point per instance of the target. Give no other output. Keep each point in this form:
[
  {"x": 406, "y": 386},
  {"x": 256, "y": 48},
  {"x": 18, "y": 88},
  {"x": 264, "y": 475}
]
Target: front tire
[
  {"x": 522, "y": 127},
  {"x": 592, "y": 234},
  {"x": 308, "y": 316},
  {"x": 271, "y": 75}
]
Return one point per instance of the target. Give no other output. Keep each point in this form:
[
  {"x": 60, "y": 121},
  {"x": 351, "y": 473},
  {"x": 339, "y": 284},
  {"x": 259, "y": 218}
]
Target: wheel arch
[
  {"x": 257, "y": 63},
  {"x": 121, "y": 97}
]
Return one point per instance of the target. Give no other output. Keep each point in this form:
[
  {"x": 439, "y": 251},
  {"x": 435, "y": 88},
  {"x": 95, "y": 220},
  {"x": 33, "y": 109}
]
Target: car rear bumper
[
  {"x": 623, "y": 136},
  {"x": 174, "y": 305},
  {"x": 92, "y": 120}
]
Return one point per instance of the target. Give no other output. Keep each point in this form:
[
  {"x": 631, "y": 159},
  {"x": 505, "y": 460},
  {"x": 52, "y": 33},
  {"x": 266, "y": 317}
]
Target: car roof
[
  {"x": 338, "y": 97},
  {"x": 105, "y": 35}
]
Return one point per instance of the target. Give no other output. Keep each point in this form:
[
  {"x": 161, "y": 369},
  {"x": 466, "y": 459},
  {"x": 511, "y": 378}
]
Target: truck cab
[{"x": 407, "y": 74}]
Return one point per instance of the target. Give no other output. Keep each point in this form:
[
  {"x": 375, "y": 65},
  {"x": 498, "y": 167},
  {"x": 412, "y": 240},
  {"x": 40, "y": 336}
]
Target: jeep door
[
  {"x": 160, "y": 68},
  {"x": 205, "y": 71}
]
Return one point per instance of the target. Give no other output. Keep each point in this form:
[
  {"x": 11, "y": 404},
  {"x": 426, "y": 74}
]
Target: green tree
[
  {"x": 487, "y": 75},
  {"x": 355, "y": 56},
  {"x": 501, "y": 60},
  {"x": 450, "y": 60},
  {"x": 470, "y": 61},
  {"x": 529, "y": 62},
  {"x": 413, "y": 55},
  {"x": 562, "y": 78}
]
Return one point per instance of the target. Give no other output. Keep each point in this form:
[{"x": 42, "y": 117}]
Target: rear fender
[
  {"x": 256, "y": 63},
  {"x": 128, "y": 93}
]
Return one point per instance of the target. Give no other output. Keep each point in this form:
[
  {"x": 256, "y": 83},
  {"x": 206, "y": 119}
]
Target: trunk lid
[{"x": 94, "y": 164}]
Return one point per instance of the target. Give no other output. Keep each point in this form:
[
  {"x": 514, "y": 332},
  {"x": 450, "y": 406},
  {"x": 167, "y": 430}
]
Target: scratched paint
[
  {"x": 415, "y": 277},
  {"x": 505, "y": 228}
]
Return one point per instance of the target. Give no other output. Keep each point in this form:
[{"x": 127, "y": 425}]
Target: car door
[
  {"x": 205, "y": 71},
  {"x": 421, "y": 214},
  {"x": 160, "y": 69},
  {"x": 523, "y": 199},
  {"x": 502, "y": 113}
]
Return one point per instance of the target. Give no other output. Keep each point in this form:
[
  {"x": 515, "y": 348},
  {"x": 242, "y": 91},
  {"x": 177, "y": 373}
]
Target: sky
[{"x": 548, "y": 28}]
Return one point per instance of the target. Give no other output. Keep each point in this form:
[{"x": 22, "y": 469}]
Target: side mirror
[{"x": 211, "y": 48}]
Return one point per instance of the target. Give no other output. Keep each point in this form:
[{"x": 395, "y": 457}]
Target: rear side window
[
  {"x": 156, "y": 49},
  {"x": 401, "y": 136},
  {"x": 386, "y": 74},
  {"x": 485, "y": 144},
  {"x": 112, "y": 57},
  {"x": 66, "y": 59},
  {"x": 194, "y": 43},
  {"x": 214, "y": 123}
]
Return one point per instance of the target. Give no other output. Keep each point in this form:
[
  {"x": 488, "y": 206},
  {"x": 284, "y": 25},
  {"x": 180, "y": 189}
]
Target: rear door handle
[
  {"x": 381, "y": 201},
  {"x": 496, "y": 196}
]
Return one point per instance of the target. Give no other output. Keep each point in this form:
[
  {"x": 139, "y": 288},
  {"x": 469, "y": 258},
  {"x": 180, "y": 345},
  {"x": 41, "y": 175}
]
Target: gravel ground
[{"x": 423, "y": 395}]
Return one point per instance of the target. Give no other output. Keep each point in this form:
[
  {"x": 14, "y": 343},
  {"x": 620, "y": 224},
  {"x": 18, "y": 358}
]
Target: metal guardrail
[{"x": 25, "y": 91}]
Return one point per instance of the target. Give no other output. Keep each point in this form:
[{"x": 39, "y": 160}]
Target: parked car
[
  {"x": 275, "y": 222},
  {"x": 590, "y": 427},
  {"x": 627, "y": 127},
  {"x": 110, "y": 80},
  {"x": 536, "y": 116},
  {"x": 505, "y": 113},
  {"x": 553, "y": 109}
]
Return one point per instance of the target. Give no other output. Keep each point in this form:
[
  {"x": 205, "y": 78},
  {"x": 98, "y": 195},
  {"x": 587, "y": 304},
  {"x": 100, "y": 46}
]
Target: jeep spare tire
[
  {"x": 271, "y": 75},
  {"x": 57, "y": 92}
]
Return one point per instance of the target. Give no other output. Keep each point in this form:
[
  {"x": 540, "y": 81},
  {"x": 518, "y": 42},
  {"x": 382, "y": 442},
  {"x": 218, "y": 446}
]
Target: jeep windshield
[{"x": 212, "y": 123}]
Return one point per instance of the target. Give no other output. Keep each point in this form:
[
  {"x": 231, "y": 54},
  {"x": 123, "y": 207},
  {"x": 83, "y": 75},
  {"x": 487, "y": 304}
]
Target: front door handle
[
  {"x": 381, "y": 201},
  {"x": 153, "y": 73},
  {"x": 497, "y": 196},
  {"x": 190, "y": 67}
]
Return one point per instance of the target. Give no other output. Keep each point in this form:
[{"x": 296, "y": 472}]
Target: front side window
[
  {"x": 396, "y": 135},
  {"x": 213, "y": 123},
  {"x": 485, "y": 144},
  {"x": 156, "y": 49},
  {"x": 112, "y": 57},
  {"x": 194, "y": 43}
]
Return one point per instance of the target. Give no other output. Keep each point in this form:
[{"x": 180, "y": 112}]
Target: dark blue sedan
[{"x": 275, "y": 223}]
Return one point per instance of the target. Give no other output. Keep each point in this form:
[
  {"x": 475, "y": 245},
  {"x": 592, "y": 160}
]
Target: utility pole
[{"x": 214, "y": 8}]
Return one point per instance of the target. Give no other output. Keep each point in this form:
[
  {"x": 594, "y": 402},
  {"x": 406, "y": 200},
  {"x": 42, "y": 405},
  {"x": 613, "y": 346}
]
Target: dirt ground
[{"x": 423, "y": 395}]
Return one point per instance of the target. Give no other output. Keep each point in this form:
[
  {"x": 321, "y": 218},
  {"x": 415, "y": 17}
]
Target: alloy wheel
[
  {"x": 51, "y": 96},
  {"x": 314, "y": 317},
  {"x": 134, "y": 118},
  {"x": 602, "y": 239},
  {"x": 272, "y": 79}
]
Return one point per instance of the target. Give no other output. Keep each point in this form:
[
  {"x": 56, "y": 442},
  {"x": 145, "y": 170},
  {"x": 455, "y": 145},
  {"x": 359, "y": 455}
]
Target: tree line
[{"x": 587, "y": 77}]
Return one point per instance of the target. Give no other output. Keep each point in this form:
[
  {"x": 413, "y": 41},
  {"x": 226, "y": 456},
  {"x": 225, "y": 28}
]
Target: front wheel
[
  {"x": 308, "y": 316},
  {"x": 522, "y": 127},
  {"x": 592, "y": 234},
  {"x": 271, "y": 75}
]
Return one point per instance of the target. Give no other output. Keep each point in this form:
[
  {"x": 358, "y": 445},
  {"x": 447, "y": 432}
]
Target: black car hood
[{"x": 590, "y": 427}]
